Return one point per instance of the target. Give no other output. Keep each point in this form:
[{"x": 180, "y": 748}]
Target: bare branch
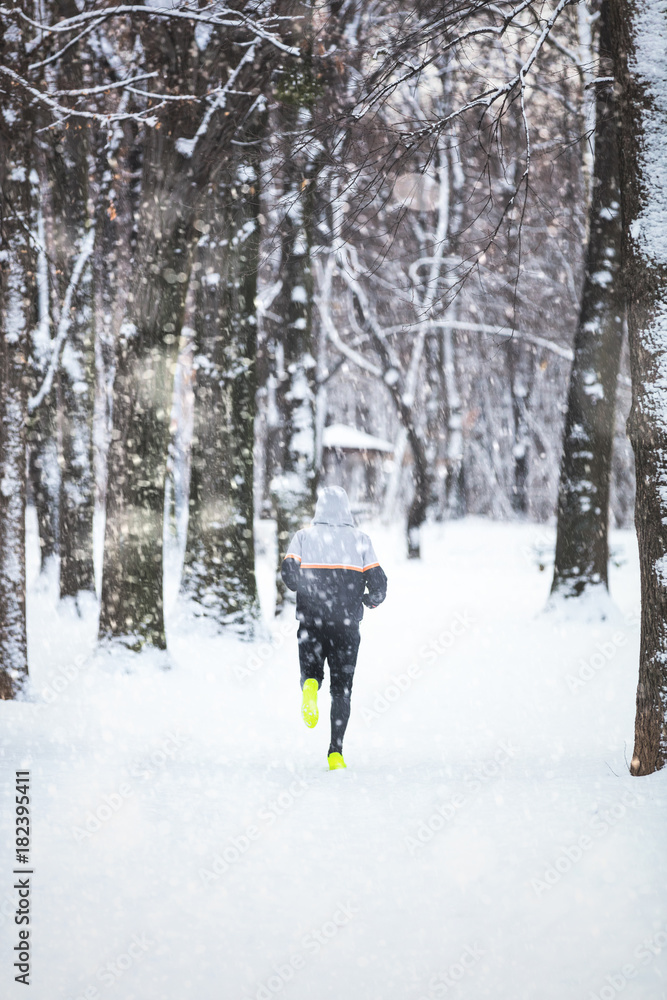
[
  {"x": 226, "y": 17},
  {"x": 506, "y": 333},
  {"x": 65, "y": 319},
  {"x": 186, "y": 147},
  {"x": 104, "y": 87},
  {"x": 65, "y": 112}
]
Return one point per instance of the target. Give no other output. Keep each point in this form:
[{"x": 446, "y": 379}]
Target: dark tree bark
[
  {"x": 292, "y": 435},
  {"x": 68, "y": 169},
  {"x": 118, "y": 204},
  {"x": 639, "y": 31},
  {"x": 132, "y": 596},
  {"x": 452, "y": 499},
  {"x": 582, "y": 550},
  {"x": 15, "y": 278},
  {"x": 420, "y": 500},
  {"x": 43, "y": 469},
  {"x": 519, "y": 389},
  {"x": 76, "y": 387},
  {"x": 43, "y": 478},
  {"x": 219, "y": 566}
]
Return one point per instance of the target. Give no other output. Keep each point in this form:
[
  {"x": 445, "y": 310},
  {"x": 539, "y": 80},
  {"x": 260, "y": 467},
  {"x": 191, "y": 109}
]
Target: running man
[{"x": 333, "y": 569}]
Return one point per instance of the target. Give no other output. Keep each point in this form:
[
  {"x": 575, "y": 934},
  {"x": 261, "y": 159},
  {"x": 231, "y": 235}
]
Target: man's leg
[
  {"x": 342, "y": 647},
  {"x": 311, "y": 662},
  {"x": 311, "y": 654}
]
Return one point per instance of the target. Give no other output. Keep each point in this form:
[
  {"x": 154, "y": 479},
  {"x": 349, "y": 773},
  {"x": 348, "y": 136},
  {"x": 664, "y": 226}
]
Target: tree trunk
[
  {"x": 519, "y": 391},
  {"x": 132, "y": 609},
  {"x": 294, "y": 483},
  {"x": 15, "y": 276},
  {"x": 582, "y": 550},
  {"x": 43, "y": 473},
  {"x": 43, "y": 469},
  {"x": 640, "y": 29},
  {"x": 118, "y": 203},
  {"x": 219, "y": 568},
  {"x": 421, "y": 496},
  {"x": 132, "y": 584},
  {"x": 69, "y": 172},
  {"x": 454, "y": 497},
  {"x": 68, "y": 168}
]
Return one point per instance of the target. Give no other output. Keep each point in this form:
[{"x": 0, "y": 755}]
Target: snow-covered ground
[{"x": 486, "y": 839}]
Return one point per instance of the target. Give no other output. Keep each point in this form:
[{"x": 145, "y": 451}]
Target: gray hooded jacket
[{"x": 332, "y": 565}]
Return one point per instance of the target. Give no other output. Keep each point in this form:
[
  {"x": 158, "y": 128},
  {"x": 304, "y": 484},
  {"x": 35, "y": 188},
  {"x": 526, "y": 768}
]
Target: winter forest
[{"x": 417, "y": 250}]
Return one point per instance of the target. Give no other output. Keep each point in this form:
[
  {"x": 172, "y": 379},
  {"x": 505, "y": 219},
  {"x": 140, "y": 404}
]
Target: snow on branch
[
  {"x": 493, "y": 331},
  {"x": 186, "y": 147},
  {"x": 259, "y": 22},
  {"x": 223, "y": 17},
  {"x": 104, "y": 87},
  {"x": 65, "y": 319},
  {"x": 61, "y": 52},
  {"x": 483, "y": 100},
  {"x": 334, "y": 338},
  {"x": 67, "y": 112}
]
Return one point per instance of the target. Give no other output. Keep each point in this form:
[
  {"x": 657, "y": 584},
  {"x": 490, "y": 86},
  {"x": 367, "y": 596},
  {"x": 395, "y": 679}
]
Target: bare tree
[
  {"x": 639, "y": 31},
  {"x": 219, "y": 567},
  {"x": 43, "y": 468},
  {"x": 294, "y": 480},
  {"x": 70, "y": 236},
  {"x": 15, "y": 257},
  {"x": 582, "y": 550}
]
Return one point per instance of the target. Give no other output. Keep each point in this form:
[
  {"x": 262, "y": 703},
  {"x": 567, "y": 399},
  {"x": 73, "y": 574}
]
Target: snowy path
[{"x": 485, "y": 841}]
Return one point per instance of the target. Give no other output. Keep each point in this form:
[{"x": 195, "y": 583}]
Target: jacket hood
[{"x": 333, "y": 507}]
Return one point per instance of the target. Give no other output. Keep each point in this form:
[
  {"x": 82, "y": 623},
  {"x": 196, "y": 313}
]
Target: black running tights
[{"x": 339, "y": 645}]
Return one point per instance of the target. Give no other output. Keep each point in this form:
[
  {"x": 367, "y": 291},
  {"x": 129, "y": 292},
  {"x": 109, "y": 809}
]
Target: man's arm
[
  {"x": 375, "y": 579},
  {"x": 291, "y": 564}
]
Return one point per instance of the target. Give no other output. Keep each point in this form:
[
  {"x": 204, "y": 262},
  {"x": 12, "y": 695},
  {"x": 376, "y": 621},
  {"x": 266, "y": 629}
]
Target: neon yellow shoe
[
  {"x": 309, "y": 712},
  {"x": 336, "y": 761}
]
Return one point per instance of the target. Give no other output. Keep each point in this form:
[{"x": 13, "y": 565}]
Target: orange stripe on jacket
[{"x": 357, "y": 569}]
